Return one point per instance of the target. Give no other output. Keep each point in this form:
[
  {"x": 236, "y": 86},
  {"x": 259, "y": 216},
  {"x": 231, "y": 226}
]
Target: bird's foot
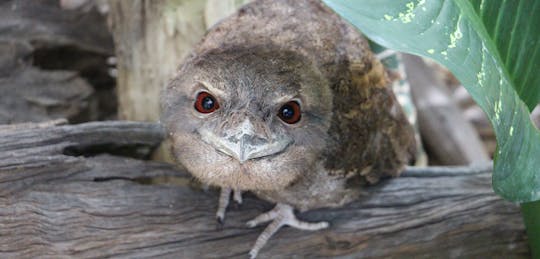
[
  {"x": 224, "y": 197},
  {"x": 281, "y": 215}
]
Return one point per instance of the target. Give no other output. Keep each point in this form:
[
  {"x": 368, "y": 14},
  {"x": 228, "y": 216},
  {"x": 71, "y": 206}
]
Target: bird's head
[{"x": 253, "y": 118}]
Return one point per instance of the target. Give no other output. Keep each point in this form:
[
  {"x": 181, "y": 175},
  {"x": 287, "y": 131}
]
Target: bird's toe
[{"x": 281, "y": 215}]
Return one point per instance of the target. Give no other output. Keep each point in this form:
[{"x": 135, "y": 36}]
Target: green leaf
[
  {"x": 531, "y": 219},
  {"x": 492, "y": 47}
]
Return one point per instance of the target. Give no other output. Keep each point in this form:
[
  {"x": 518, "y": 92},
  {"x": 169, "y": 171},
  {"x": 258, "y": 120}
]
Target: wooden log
[
  {"x": 49, "y": 60},
  {"x": 448, "y": 137},
  {"x": 35, "y": 95},
  {"x": 56, "y": 205},
  {"x": 44, "y": 25}
]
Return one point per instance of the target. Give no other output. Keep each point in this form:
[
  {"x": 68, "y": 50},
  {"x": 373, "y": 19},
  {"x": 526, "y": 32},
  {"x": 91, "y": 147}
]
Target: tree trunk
[{"x": 152, "y": 38}]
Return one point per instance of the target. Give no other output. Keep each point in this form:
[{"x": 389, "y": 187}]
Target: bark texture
[
  {"x": 151, "y": 39},
  {"x": 53, "y": 63}
]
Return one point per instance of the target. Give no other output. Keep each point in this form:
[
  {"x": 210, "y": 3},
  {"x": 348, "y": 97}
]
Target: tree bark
[
  {"x": 152, "y": 38},
  {"x": 60, "y": 197}
]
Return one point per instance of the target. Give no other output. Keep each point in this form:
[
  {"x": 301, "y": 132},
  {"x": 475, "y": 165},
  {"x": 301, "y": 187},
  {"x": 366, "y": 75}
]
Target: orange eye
[
  {"x": 206, "y": 103},
  {"x": 290, "y": 112}
]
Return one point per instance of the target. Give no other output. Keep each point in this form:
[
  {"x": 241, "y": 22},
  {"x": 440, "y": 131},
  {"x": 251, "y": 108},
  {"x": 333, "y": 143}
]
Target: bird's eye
[
  {"x": 206, "y": 103},
  {"x": 290, "y": 112}
]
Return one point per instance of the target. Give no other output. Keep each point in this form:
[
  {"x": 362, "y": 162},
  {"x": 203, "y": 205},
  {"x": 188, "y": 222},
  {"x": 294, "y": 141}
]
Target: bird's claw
[
  {"x": 224, "y": 197},
  {"x": 281, "y": 215},
  {"x": 237, "y": 196}
]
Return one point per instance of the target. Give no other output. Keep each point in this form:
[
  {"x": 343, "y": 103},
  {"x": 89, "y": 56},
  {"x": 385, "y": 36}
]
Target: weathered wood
[
  {"x": 56, "y": 205},
  {"x": 151, "y": 39},
  {"x": 46, "y": 54},
  {"x": 215, "y": 10},
  {"x": 29, "y": 154},
  {"x": 44, "y": 25},
  {"x": 448, "y": 137},
  {"x": 32, "y": 94}
]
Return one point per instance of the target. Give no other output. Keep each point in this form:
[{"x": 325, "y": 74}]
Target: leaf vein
[
  {"x": 502, "y": 9},
  {"x": 436, "y": 18},
  {"x": 530, "y": 66},
  {"x": 482, "y": 8},
  {"x": 512, "y": 38}
]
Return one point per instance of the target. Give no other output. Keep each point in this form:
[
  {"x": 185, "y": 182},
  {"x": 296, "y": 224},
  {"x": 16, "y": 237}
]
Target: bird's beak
[{"x": 243, "y": 143}]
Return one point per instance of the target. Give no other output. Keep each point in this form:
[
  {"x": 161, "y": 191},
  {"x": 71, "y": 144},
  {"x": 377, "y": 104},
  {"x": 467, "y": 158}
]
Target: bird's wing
[{"x": 373, "y": 136}]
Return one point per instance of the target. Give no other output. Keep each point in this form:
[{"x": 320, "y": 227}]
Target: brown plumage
[{"x": 256, "y": 66}]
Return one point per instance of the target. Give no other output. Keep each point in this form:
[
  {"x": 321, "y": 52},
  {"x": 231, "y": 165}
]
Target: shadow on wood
[{"x": 97, "y": 205}]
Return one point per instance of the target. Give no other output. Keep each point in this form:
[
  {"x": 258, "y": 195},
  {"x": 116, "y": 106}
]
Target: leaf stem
[{"x": 531, "y": 215}]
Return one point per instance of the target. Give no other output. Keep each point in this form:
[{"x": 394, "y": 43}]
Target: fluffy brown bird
[{"x": 286, "y": 100}]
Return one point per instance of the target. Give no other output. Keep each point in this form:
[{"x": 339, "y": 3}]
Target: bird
[{"x": 286, "y": 100}]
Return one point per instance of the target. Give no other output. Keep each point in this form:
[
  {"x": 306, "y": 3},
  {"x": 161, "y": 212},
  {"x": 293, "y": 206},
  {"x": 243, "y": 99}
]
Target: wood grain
[
  {"x": 57, "y": 205},
  {"x": 53, "y": 63}
]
